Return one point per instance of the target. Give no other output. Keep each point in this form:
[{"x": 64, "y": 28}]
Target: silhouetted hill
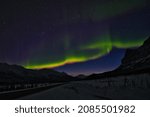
[
  {"x": 10, "y": 74},
  {"x": 81, "y": 76}
]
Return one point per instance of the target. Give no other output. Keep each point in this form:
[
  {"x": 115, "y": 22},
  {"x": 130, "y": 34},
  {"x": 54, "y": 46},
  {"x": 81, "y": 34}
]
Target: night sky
[{"x": 74, "y": 36}]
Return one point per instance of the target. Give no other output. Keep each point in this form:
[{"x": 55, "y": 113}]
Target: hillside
[{"x": 14, "y": 77}]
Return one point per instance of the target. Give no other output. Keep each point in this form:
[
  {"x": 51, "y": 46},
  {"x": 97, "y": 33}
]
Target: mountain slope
[
  {"x": 137, "y": 59},
  {"x": 10, "y": 74}
]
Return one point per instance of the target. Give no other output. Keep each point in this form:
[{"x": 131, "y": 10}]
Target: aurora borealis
[{"x": 75, "y": 36}]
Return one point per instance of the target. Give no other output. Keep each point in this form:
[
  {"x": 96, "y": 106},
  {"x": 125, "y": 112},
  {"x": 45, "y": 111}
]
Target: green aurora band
[
  {"x": 98, "y": 48},
  {"x": 99, "y": 45}
]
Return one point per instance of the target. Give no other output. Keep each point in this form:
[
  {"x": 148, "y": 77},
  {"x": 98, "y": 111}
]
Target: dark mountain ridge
[
  {"x": 135, "y": 61},
  {"x": 17, "y": 74}
]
